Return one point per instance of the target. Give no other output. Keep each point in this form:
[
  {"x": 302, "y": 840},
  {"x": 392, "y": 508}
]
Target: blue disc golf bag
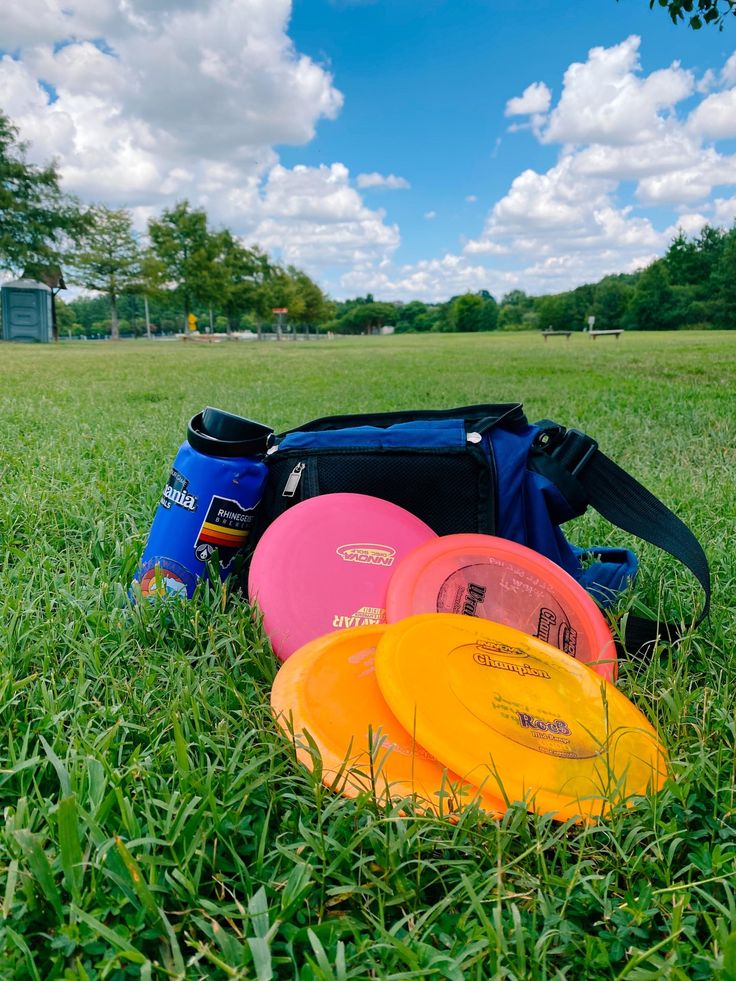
[{"x": 485, "y": 468}]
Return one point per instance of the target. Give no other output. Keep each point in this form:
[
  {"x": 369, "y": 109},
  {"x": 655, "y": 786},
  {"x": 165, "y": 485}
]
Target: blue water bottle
[{"x": 208, "y": 503}]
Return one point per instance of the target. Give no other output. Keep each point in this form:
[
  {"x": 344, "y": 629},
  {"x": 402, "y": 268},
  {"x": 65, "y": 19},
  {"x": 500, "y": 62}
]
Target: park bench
[
  {"x": 556, "y": 333},
  {"x": 206, "y": 338},
  {"x": 603, "y": 333}
]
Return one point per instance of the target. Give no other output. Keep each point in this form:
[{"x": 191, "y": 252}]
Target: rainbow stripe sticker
[{"x": 226, "y": 527}]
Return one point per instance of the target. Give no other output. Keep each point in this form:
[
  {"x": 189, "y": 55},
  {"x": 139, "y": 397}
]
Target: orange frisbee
[
  {"x": 499, "y": 580},
  {"x": 518, "y": 716},
  {"x": 327, "y": 689}
]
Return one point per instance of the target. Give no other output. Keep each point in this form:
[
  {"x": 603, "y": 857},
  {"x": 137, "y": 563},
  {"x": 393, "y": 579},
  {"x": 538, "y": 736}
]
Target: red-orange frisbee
[
  {"x": 325, "y": 564},
  {"x": 326, "y": 694},
  {"x": 508, "y": 583}
]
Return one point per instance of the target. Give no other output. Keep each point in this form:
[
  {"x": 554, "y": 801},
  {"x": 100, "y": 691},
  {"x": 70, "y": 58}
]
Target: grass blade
[
  {"x": 10, "y": 885},
  {"x": 41, "y": 869},
  {"x": 149, "y": 903},
  {"x": 61, "y": 771},
  {"x": 112, "y": 936},
  {"x": 70, "y": 847}
]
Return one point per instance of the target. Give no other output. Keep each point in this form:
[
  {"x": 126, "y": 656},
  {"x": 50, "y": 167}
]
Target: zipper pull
[{"x": 293, "y": 479}]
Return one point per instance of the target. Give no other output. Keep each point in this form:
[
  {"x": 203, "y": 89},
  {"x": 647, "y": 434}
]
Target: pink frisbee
[{"x": 325, "y": 564}]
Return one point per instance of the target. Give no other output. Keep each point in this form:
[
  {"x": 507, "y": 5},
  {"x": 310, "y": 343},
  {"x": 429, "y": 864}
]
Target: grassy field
[{"x": 155, "y": 824}]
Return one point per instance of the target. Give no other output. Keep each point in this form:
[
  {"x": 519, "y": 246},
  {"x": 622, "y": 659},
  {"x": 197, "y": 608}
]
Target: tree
[
  {"x": 581, "y": 301},
  {"x": 152, "y": 285},
  {"x": 409, "y": 316},
  {"x": 653, "y": 305},
  {"x": 516, "y": 311},
  {"x": 65, "y": 317},
  {"x": 725, "y": 277},
  {"x": 610, "y": 302},
  {"x": 188, "y": 252},
  {"x": 315, "y": 306},
  {"x": 489, "y": 313},
  {"x": 697, "y": 12},
  {"x": 109, "y": 258},
  {"x": 554, "y": 312},
  {"x": 242, "y": 272},
  {"x": 466, "y": 313},
  {"x": 37, "y": 220},
  {"x": 692, "y": 261},
  {"x": 366, "y": 318}
]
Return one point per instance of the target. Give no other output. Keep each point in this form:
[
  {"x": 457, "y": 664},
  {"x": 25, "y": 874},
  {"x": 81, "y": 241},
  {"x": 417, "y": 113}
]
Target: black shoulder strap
[{"x": 574, "y": 463}]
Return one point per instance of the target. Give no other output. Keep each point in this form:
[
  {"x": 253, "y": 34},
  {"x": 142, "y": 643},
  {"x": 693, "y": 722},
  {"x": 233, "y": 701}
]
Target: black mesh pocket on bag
[
  {"x": 442, "y": 488},
  {"x": 451, "y": 490}
]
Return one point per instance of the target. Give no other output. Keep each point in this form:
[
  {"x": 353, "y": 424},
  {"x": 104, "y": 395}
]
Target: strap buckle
[{"x": 574, "y": 451}]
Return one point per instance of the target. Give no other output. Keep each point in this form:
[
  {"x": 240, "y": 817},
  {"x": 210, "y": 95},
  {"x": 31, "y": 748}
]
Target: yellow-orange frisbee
[
  {"x": 327, "y": 691},
  {"x": 517, "y": 716}
]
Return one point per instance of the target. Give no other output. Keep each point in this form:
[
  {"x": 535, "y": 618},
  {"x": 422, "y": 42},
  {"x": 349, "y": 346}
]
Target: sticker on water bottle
[
  {"x": 226, "y": 527},
  {"x": 176, "y": 492},
  {"x": 162, "y": 576}
]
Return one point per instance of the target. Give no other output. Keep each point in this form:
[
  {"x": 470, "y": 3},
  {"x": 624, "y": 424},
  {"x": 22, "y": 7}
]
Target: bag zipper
[{"x": 292, "y": 481}]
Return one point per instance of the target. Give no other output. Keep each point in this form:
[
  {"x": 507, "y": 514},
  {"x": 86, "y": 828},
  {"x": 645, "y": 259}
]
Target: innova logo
[{"x": 367, "y": 554}]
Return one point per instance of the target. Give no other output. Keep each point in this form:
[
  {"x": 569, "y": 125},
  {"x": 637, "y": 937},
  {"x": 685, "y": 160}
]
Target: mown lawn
[{"x": 155, "y": 824}]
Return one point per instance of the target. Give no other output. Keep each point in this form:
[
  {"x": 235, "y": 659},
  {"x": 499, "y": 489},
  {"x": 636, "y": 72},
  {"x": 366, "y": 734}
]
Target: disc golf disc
[
  {"x": 325, "y": 563},
  {"x": 499, "y": 580},
  {"x": 327, "y": 689},
  {"x": 517, "y": 716}
]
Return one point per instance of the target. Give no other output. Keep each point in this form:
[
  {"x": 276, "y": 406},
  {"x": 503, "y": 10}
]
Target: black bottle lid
[{"x": 218, "y": 433}]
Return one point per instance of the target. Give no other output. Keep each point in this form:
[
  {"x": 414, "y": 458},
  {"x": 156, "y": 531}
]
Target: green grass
[{"x": 154, "y": 823}]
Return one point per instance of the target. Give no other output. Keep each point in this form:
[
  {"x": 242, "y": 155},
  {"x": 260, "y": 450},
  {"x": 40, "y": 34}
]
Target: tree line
[
  {"x": 693, "y": 286},
  {"x": 185, "y": 268}
]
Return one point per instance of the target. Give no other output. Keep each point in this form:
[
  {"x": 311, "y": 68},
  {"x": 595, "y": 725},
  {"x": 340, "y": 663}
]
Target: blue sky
[
  {"x": 425, "y": 95},
  {"x": 406, "y": 148}
]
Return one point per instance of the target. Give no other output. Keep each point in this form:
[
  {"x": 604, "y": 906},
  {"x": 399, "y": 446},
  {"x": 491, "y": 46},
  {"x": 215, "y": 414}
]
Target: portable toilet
[{"x": 26, "y": 311}]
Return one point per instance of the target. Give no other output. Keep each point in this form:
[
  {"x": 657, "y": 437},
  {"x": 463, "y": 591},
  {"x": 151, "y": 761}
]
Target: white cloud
[
  {"x": 560, "y": 214},
  {"x": 430, "y": 280},
  {"x": 728, "y": 75},
  {"x": 181, "y": 85},
  {"x": 430, "y": 215},
  {"x": 471, "y": 198},
  {"x": 485, "y": 246},
  {"x": 377, "y": 181},
  {"x": 435, "y": 280},
  {"x": 312, "y": 217},
  {"x": 689, "y": 222},
  {"x": 47, "y": 22},
  {"x": 724, "y": 210},
  {"x": 689, "y": 184},
  {"x": 312, "y": 192},
  {"x": 578, "y": 220},
  {"x": 707, "y": 82},
  {"x": 715, "y": 117},
  {"x": 534, "y": 99},
  {"x": 605, "y": 101},
  {"x": 674, "y": 150},
  {"x": 153, "y": 102}
]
